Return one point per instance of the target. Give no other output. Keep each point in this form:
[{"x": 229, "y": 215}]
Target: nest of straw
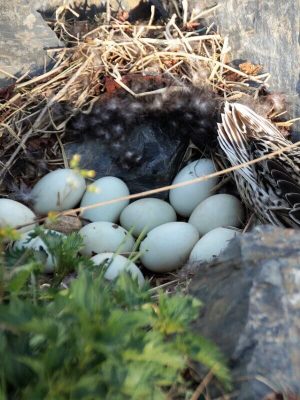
[
  {"x": 33, "y": 112},
  {"x": 31, "y": 116}
]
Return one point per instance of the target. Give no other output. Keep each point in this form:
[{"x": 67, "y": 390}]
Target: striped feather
[{"x": 271, "y": 188}]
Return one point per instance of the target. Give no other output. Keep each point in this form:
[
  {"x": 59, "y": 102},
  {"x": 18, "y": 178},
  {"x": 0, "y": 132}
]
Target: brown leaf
[{"x": 250, "y": 69}]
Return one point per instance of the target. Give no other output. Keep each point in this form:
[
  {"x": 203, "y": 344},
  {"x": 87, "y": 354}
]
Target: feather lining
[
  {"x": 232, "y": 140},
  {"x": 270, "y": 187}
]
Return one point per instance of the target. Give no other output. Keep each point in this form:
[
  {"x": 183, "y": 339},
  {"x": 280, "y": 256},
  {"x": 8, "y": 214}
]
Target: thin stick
[
  {"x": 249, "y": 222},
  {"x": 108, "y": 14},
  {"x": 170, "y": 187},
  {"x": 183, "y": 184},
  {"x": 163, "y": 285},
  {"x": 203, "y": 384},
  {"x": 185, "y": 6},
  {"x": 2, "y": 71},
  {"x": 151, "y": 17},
  {"x": 205, "y": 12}
]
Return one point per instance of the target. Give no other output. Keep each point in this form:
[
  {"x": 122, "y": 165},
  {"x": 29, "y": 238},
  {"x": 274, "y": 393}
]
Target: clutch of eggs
[{"x": 166, "y": 244}]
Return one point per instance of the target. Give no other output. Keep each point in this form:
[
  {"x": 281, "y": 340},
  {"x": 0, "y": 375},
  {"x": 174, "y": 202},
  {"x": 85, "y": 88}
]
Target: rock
[
  {"x": 23, "y": 40},
  {"x": 252, "y": 310},
  {"x": 161, "y": 153},
  {"x": 265, "y": 33}
]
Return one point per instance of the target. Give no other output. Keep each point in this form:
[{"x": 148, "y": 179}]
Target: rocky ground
[{"x": 252, "y": 309}]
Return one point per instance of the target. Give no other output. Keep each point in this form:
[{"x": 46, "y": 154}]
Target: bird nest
[{"x": 35, "y": 111}]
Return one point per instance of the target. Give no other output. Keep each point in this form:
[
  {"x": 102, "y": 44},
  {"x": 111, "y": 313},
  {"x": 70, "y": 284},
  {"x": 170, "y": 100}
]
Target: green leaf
[
  {"x": 20, "y": 276},
  {"x": 95, "y": 339}
]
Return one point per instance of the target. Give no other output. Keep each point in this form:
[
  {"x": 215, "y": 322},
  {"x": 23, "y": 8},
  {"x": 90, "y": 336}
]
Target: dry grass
[{"x": 116, "y": 50}]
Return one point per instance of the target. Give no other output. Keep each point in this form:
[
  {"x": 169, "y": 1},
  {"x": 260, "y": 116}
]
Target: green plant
[{"x": 95, "y": 339}]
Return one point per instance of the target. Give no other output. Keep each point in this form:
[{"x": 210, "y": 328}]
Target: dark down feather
[{"x": 188, "y": 110}]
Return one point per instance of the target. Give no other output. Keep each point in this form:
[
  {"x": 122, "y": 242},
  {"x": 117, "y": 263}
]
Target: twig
[
  {"x": 174, "y": 186},
  {"x": 108, "y": 13},
  {"x": 205, "y": 12},
  {"x": 203, "y": 384},
  {"x": 185, "y": 6},
  {"x": 248, "y": 224}
]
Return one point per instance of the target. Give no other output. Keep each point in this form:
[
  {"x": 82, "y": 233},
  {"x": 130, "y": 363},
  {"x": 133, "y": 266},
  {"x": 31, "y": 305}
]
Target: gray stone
[
  {"x": 252, "y": 310},
  {"x": 266, "y": 33},
  {"x": 24, "y": 38}
]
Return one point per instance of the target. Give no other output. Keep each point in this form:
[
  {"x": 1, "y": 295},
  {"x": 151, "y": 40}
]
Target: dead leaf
[{"x": 250, "y": 69}]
